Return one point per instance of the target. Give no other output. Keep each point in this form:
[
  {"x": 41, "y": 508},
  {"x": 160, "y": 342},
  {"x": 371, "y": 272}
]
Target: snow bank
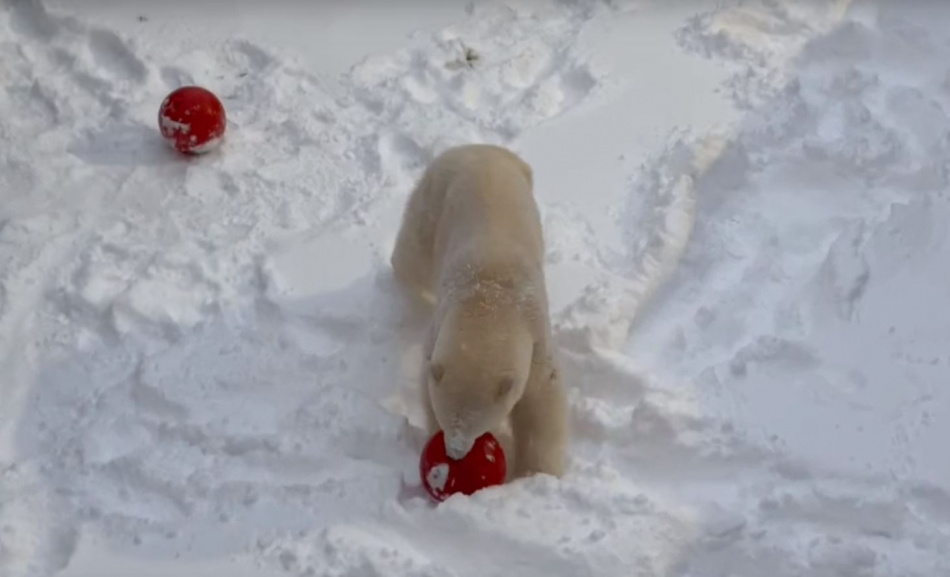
[{"x": 206, "y": 361}]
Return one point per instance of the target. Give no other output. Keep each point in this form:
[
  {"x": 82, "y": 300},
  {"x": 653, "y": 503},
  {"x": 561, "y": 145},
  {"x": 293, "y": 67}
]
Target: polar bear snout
[{"x": 457, "y": 445}]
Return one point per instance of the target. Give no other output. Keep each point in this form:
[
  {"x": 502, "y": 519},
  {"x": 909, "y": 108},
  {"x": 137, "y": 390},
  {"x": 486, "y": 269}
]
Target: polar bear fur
[{"x": 471, "y": 243}]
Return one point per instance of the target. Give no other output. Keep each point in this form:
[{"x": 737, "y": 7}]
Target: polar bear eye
[{"x": 504, "y": 387}]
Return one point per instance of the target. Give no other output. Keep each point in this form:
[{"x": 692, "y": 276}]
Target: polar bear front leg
[
  {"x": 539, "y": 424},
  {"x": 412, "y": 254}
]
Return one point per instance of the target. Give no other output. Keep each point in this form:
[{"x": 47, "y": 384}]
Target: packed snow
[{"x": 207, "y": 367}]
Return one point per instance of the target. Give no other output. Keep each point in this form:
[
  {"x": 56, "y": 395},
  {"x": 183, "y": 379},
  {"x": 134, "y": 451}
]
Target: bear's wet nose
[{"x": 458, "y": 445}]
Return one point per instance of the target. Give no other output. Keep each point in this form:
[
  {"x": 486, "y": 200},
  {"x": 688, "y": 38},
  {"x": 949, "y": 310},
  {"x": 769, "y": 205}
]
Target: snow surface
[{"x": 207, "y": 367}]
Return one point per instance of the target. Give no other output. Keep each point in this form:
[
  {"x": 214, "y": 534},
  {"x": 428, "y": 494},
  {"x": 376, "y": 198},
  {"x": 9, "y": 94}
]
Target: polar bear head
[{"x": 477, "y": 373}]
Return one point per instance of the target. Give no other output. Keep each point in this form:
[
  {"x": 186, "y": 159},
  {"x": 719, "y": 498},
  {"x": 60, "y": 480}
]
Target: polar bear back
[{"x": 488, "y": 217}]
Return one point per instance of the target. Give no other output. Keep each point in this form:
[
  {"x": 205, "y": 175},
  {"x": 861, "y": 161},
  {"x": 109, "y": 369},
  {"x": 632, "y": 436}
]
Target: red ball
[
  {"x": 192, "y": 120},
  {"x": 482, "y": 467}
]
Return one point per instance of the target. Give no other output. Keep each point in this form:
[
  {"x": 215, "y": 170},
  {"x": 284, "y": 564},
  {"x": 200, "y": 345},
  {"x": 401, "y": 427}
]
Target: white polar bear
[{"x": 471, "y": 242}]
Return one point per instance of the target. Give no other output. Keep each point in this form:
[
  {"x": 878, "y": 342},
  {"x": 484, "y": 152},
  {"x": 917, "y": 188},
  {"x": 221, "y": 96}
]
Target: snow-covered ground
[{"x": 206, "y": 365}]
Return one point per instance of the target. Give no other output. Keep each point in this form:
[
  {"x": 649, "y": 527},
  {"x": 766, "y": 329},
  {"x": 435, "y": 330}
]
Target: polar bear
[{"x": 471, "y": 243}]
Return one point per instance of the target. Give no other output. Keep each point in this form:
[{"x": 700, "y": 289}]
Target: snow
[{"x": 208, "y": 368}]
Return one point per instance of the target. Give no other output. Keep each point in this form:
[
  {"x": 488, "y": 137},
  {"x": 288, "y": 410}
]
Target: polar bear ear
[
  {"x": 437, "y": 371},
  {"x": 505, "y": 385}
]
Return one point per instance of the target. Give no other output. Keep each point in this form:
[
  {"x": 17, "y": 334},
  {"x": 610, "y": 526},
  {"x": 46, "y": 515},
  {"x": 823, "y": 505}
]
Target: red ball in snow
[
  {"x": 443, "y": 476},
  {"x": 192, "y": 120}
]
